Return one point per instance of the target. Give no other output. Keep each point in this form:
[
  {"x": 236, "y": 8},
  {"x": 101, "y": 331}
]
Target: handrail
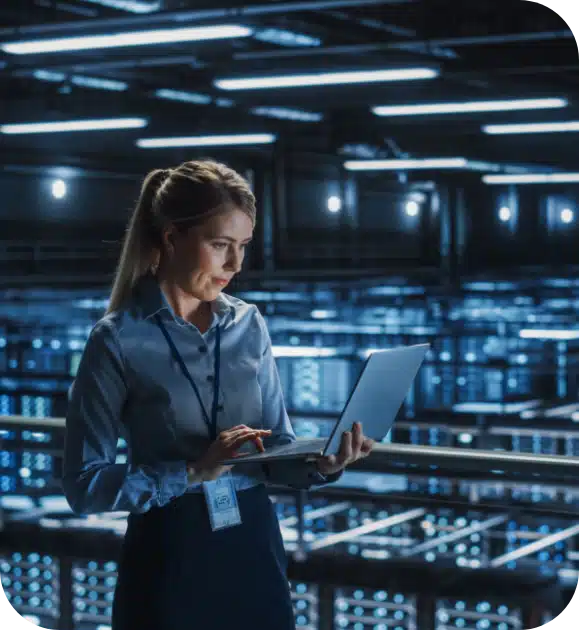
[
  {"x": 27, "y": 421},
  {"x": 482, "y": 461},
  {"x": 389, "y": 457}
]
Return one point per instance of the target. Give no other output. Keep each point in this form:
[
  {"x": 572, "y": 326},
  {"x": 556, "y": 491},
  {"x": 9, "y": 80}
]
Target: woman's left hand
[{"x": 354, "y": 446}]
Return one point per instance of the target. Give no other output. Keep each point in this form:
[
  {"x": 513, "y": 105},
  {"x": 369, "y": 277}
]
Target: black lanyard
[{"x": 211, "y": 422}]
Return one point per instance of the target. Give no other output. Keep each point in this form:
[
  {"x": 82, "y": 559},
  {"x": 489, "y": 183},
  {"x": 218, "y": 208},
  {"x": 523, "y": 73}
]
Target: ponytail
[{"x": 141, "y": 242}]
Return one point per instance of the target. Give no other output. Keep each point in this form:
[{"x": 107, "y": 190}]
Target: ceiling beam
[
  {"x": 393, "y": 29},
  {"x": 422, "y": 46},
  {"x": 47, "y": 9},
  {"x": 184, "y": 17},
  {"x": 486, "y": 40},
  {"x": 534, "y": 70}
]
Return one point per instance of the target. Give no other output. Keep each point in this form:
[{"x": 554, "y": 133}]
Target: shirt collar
[{"x": 151, "y": 300}]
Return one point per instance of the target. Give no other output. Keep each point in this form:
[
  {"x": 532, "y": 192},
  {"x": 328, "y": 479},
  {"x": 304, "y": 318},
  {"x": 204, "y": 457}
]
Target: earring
[{"x": 154, "y": 266}]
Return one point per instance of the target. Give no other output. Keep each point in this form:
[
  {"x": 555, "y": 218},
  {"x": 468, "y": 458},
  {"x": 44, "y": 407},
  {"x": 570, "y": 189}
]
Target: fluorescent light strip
[
  {"x": 286, "y": 38},
  {"x": 82, "y": 81},
  {"x": 532, "y": 178},
  {"x": 286, "y": 113},
  {"x": 555, "y": 127},
  {"x": 548, "y": 334},
  {"x": 48, "y": 75},
  {"x": 185, "y": 97},
  {"x": 135, "y": 38},
  {"x": 326, "y": 78},
  {"x": 224, "y": 102},
  {"x": 403, "y": 165},
  {"x": 74, "y": 125},
  {"x": 492, "y": 407},
  {"x": 132, "y": 6},
  {"x": 206, "y": 141},
  {"x": 303, "y": 351},
  {"x": 469, "y": 107},
  {"x": 99, "y": 84}
]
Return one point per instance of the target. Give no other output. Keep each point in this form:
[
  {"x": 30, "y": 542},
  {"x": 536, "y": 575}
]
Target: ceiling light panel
[
  {"x": 554, "y": 127},
  {"x": 468, "y": 107},
  {"x": 404, "y": 165},
  {"x": 74, "y": 125},
  {"x": 134, "y": 38},
  {"x": 318, "y": 79},
  {"x": 286, "y": 113},
  {"x": 206, "y": 141},
  {"x": 532, "y": 178},
  {"x": 81, "y": 80},
  {"x": 99, "y": 84},
  {"x": 184, "y": 97},
  {"x": 282, "y": 37}
]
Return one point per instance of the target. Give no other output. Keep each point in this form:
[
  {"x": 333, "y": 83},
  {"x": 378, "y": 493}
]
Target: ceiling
[{"x": 483, "y": 50}]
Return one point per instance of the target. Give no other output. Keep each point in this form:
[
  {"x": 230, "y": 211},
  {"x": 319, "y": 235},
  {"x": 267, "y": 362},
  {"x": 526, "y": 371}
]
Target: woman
[{"x": 186, "y": 374}]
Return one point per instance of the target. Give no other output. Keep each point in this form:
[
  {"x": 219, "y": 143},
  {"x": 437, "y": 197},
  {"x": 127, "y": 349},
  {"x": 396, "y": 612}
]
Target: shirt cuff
[
  {"x": 317, "y": 478},
  {"x": 174, "y": 482}
]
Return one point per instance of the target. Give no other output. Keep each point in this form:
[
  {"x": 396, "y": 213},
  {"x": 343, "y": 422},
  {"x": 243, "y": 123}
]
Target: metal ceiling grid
[{"x": 482, "y": 50}]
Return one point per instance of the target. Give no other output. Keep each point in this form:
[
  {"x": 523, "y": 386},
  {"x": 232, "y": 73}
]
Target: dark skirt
[{"x": 176, "y": 574}]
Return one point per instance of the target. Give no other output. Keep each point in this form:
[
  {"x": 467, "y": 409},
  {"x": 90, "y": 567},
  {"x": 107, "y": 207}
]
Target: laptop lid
[{"x": 379, "y": 393}]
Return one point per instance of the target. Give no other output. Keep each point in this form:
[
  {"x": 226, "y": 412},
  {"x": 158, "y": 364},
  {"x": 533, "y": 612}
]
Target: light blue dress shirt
[{"x": 129, "y": 385}]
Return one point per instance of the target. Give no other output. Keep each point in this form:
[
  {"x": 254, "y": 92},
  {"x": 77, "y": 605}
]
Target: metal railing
[
  {"x": 401, "y": 458},
  {"x": 322, "y": 558}
]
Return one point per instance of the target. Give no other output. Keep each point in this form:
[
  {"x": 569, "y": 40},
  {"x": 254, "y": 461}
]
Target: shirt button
[
  {"x": 202, "y": 349},
  {"x": 219, "y": 407},
  {"x": 210, "y": 378}
]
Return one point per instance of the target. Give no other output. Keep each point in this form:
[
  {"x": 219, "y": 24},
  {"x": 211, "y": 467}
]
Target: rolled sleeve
[
  {"x": 174, "y": 482},
  {"x": 92, "y": 482},
  {"x": 296, "y": 473}
]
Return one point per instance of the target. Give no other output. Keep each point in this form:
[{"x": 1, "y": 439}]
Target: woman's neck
[{"x": 184, "y": 305}]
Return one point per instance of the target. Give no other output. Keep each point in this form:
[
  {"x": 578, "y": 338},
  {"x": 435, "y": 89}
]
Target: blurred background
[{"x": 417, "y": 180}]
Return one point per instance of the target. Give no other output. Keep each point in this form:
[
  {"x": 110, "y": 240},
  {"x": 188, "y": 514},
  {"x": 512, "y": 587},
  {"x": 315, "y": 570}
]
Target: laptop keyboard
[{"x": 301, "y": 446}]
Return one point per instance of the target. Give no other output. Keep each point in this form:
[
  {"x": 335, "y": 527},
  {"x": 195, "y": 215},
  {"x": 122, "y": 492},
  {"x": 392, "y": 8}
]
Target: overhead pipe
[
  {"x": 320, "y": 5},
  {"x": 392, "y": 29},
  {"x": 318, "y": 51},
  {"x": 533, "y": 70},
  {"x": 478, "y": 40},
  {"x": 405, "y": 46},
  {"x": 128, "y": 64},
  {"x": 86, "y": 12},
  {"x": 185, "y": 16}
]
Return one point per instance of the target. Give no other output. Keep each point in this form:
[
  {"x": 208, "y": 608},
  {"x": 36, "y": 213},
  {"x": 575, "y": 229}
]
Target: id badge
[{"x": 222, "y": 502}]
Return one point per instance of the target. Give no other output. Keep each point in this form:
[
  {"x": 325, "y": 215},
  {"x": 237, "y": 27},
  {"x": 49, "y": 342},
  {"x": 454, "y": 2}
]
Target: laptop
[{"x": 375, "y": 401}]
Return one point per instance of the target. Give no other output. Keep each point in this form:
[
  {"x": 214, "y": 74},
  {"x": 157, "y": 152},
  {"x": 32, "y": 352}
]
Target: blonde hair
[{"x": 187, "y": 195}]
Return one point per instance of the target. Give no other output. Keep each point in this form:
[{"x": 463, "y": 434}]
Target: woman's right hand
[{"x": 208, "y": 467}]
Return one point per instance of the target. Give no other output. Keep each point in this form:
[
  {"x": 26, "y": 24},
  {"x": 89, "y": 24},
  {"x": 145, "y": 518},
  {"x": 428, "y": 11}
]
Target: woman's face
[{"x": 206, "y": 257}]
